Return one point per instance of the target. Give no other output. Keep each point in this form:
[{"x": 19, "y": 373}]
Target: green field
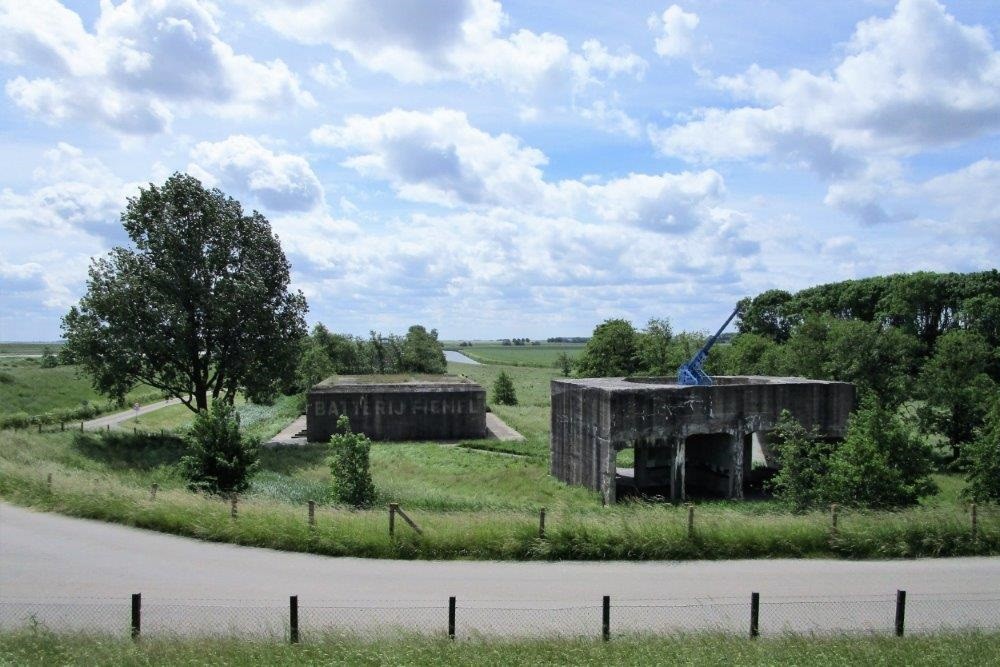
[
  {"x": 40, "y": 647},
  {"x": 471, "y": 502},
  {"x": 544, "y": 355},
  {"x": 26, "y": 387},
  {"x": 29, "y": 348}
]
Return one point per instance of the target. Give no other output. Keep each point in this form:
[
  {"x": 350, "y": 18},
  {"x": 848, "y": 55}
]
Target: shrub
[
  {"x": 49, "y": 360},
  {"x": 503, "y": 390},
  {"x": 352, "y": 478},
  {"x": 6, "y": 378},
  {"x": 982, "y": 458},
  {"x": 15, "y": 420},
  {"x": 804, "y": 460},
  {"x": 881, "y": 464},
  {"x": 219, "y": 459}
]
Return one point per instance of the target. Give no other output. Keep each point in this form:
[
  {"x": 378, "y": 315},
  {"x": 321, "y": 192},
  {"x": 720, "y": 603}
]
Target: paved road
[
  {"x": 459, "y": 358},
  {"x": 99, "y": 423},
  {"x": 49, "y": 563}
]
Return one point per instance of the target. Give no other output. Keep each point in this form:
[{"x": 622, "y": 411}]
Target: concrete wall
[
  {"x": 593, "y": 418},
  {"x": 449, "y": 408}
]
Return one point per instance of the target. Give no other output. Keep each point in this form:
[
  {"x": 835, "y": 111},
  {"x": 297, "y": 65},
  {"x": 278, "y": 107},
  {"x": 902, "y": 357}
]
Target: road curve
[
  {"x": 47, "y": 557},
  {"x": 101, "y": 423}
]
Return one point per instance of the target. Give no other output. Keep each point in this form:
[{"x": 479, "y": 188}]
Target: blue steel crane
[{"x": 692, "y": 371}]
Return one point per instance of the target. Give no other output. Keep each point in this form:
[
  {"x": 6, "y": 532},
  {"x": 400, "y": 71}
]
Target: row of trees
[{"x": 325, "y": 354}]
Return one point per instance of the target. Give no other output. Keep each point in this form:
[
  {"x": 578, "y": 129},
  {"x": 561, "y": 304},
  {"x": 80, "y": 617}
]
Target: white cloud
[
  {"x": 972, "y": 195},
  {"x": 145, "y": 61},
  {"x": 241, "y": 165},
  {"x": 915, "y": 80},
  {"x": 417, "y": 41},
  {"x": 676, "y": 29},
  {"x": 331, "y": 75},
  {"x": 609, "y": 117}
]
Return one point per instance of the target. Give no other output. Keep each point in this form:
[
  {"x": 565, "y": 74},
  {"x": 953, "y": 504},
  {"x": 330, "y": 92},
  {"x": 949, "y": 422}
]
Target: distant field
[
  {"x": 27, "y": 387},
  {"x": 545, "y": 355},
  {"x": 29, "y": 348}
]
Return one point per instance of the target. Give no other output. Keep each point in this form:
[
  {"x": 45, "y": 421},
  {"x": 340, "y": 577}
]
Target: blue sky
[{"x": 500, "y": 170}]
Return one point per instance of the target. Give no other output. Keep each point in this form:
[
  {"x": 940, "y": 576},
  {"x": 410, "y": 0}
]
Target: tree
[
  {"x": 982, "y": 459},
  {"x": 503, "y": 390},
  {"x": 880, "y": 464},
  {"x": 219, "y": 459},
  {"x": 654, "y": 348},
  {"x": 49, "y": 360},
  {"x": 612, "y": 350},
  {"x": 422, "y": 352},
  {"x": 804, "y": 461},
  {"x": 766, "y": 315},
  {"x": 350, "y": 465},
  {"x": 876, "y": 359},
  {"x": 954, "y": 386},
  {"x": 565, "y": 364},
  {"x": 198, "y": 306},
  {"x": 750, "y": 354}
]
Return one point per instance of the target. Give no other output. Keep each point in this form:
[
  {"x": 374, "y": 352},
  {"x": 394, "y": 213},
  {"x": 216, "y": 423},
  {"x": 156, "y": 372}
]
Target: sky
[{"x": 509, "y": 169}]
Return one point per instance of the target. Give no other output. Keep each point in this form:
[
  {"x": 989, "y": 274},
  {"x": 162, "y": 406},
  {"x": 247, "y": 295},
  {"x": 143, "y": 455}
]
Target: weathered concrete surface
[
  {"x": 498, "y": 429},
  {"x": 293, "y": 435},
  {"x": 398, "y": 407},
  {"x": 688, "y": 440}
]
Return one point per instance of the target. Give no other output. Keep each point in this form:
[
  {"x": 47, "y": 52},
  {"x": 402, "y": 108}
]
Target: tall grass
[{"x": 40, "y": 647}]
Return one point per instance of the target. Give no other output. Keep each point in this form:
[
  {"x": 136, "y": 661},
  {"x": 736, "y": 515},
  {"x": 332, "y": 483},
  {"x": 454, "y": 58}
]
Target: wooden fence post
[
  {"x": 48, "y": 482},
  {"x": 232, "y": 507},
  {"x": 754, "y": 615},
  {"x": 81, "y": 427},
  {"x": 975, "y": 520},
  {"x": 62, "y": 426},
  {"x": 451, "y": 617},
  {"x": 293, "y": 619},
  {"x": 900, "y": 612},
  {"x": 152, "y": 491},
  {"x": 39, "y": 427},
  {"x": 833, "y": 520},
  {"x": 541, "y": 524},
  {"x": 312, "y": 513},
  {"x": 690, "y": 507},
  {"x": 606, "y": 618},
  {"x": 392, "y": 519},
  {"x": 136, "y": 615}
]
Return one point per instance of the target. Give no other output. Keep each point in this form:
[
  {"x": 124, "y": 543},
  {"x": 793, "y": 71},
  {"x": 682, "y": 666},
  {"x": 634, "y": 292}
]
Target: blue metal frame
[{"x": 692, "y": 372}]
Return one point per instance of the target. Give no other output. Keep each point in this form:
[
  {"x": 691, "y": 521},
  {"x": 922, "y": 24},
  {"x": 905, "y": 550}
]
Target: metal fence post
[
  {"x": 136, "y": 615},
  {"x": 293, "y": 619},
  {"x": 541, "y": 524},
  {"x": 606, "y": 618},
  {"x": 754, "y": 615},
  {"x": 900, "y": 612},
  {"x": 451, "y": 617}
]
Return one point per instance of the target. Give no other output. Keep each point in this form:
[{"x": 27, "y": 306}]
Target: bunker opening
[{"x": 710, "y": 463}]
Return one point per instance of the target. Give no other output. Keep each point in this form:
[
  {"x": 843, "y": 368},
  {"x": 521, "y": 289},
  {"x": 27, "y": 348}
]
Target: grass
[
  {"x": 260, "y": 421},
  {"x": 40, "y": 647},
  {"x": 29, "y": 348},
  {"x": 545, "y": 355},
  {"x": 26, "y": 387},
  {"x": 472, "y": 500}
]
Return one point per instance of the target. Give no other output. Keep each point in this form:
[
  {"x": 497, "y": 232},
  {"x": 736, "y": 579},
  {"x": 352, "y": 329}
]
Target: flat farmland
[{"x": 544, "y": 355}]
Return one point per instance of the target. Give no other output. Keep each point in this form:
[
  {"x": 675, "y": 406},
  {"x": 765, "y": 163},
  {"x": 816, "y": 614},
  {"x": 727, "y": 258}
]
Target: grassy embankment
[
  {"x": 44, "y": 648},
  {"x": 544, "y": 355},
  {"x": 471, "y": 503},
  {"x": 30, "y": 393}
]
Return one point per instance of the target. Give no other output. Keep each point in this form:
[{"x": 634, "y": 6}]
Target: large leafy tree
[
  {"x": 198, "y": 305},
  {"x": 612, "y": 350}
]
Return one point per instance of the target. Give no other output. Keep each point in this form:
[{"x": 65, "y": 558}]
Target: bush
[
  {"x": 352, "y": 478},
  {"x": 804, "y": 460},
  {"x": 219, "y": 459},
  {"x": 611, "y": 351},
  {"x": 49, "y": 360},
  {"x": 15, "y": 420},
  {"x": 503, "y": 390},
  {"x": 881, "y": 464},
  {"x": 982, "y": 458}
]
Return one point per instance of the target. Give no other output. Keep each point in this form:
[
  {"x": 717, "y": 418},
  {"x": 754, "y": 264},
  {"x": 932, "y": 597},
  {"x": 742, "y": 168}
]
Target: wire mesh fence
[{"x": 312, "y": 619}]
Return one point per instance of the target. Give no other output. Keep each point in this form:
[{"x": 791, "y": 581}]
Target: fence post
[
  {"x": 39, "y": 427},
  {"x": 690, "y": 507},
  {"x": 312, "y": 513},
  {"x": 109, "y": 428},
  {"x": 136, "y": 615},
  {"x": 754, "y": 615},
  {"x": 62, "y": 426},
  {"x": 975, "y": 521},
  {"x": 293, "y": 619},
  {"x": 833, "y": 518},
  {"x": 606, "y": 618},
  {"x": 541, "y": 524},
  {"x": 392, "y": 519},
  {"x": 81, "y": 427},
  {"x": 232, "y": 507},
  {"x": 48, "y": 482},
  {"x": 451, "y": 617},
  {"x": 900, "y": 612},
  {"x": 152, "y": 491}
]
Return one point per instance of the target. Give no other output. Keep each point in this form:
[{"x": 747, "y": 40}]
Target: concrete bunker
[
  {"x": 689, "y": 441},
  {"x": 398, "y": 407}
]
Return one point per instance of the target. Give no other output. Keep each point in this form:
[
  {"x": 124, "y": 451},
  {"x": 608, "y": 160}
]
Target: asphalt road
[
  {"x": 78, "y": 574},
  {"x": 100, "y": 423}
]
